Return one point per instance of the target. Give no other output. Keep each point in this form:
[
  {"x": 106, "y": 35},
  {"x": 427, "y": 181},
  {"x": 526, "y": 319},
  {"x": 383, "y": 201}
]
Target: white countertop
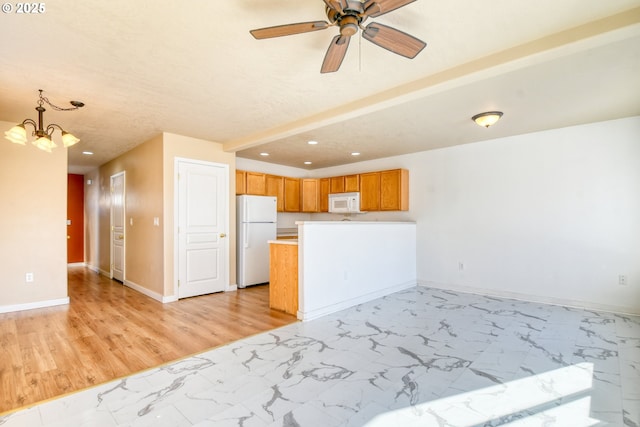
[
  {"x": 352, "y": 222},
  {"x": 284, "y": 242}
]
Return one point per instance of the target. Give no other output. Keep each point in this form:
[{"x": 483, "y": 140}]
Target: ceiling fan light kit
[
  {"x": 349, "y": 16},
  {"x": 18, "y": 133},
  {"x": 487, "y": 119}
]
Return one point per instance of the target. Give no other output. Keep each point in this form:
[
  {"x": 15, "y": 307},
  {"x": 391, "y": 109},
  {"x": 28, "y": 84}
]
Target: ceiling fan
[{"x": 349, "y": 16}]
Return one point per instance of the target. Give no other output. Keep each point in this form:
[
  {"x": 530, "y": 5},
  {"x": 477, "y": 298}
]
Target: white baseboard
[
  {"x": 529, "y": 298},
  {"x": 231, "y": 288},
  {"x": 93, "y": 268},
  {"x": 314, "y": 314},
  {"x": 33, "y": 305},
  {"x": 151, "y": 294},
  {"x": 76, "y": 264}
]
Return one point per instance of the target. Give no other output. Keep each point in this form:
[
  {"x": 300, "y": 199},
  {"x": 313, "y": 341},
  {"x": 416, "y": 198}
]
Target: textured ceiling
[{"x": 193, "y": 69}]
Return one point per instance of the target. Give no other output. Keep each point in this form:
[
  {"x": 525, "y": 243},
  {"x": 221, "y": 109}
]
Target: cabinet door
[
  {"x": 275, "y": 187},
  {"x": 256, "y": 183},
  {"x": 241, "y": 182},
  {"x": 291, "y": 194},
  {"x": 324, "y": 194},
  {"x": 337, "y": 184},
  {"x": 310, "y": 195},
  {"x": 370, "y": 191},
  {"x": 351, "y": 183},
  {"x": 394, "y": 190}
]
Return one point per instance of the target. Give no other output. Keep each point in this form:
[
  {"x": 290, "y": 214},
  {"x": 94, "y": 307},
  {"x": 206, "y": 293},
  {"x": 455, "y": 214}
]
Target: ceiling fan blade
[
  {"x": 288, "y": 29},
  {"x": 338, "y": 5},
  {"x": 394, "y": 40},
  {"x": 335, "y": 54},
  {"x": 385, "y": 6}
]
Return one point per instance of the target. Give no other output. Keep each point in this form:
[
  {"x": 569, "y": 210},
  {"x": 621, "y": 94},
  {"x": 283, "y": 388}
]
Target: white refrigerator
[{"x": 256, "y": 222}]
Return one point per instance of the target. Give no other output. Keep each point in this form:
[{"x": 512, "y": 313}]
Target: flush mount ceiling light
[
  {"x": 18, "y": 133},
  {"x": 312, "y": 142},
  {"x": 487, "y": 119}
]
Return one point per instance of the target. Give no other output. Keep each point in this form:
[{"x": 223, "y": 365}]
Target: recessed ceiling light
[
  {"x": 264, "y": 154},
  {"x": 312, "y": 142},
  {"x": 88, "y": 153},
  {"x": 355, "y": 153},
  {"x": 308, "y": 163}
]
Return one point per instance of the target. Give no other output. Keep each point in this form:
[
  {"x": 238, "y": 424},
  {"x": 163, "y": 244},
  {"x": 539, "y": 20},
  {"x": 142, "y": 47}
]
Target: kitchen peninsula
[{"x": 342, "y": 264}]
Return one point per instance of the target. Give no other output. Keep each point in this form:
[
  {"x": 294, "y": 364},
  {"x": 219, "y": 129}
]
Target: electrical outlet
[
  {"x": 28, "y": 277},
  {"x": 622, "y": 280}
]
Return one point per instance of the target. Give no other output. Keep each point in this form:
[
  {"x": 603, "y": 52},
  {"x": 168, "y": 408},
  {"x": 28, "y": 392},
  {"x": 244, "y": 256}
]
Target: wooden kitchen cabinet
[
  {"x": 275, "y": 187},
  {"x": 324, "y": 194},
  {"x": 370, "y": 191},
  {"x": 241, "y": 182},
  {"x": 283, "y": 277},
  {"x": 291, "y": 194},
  {"x": 310, "y": 197},
  {"x": 256, "y": 183},
  {"x": 394, "y": 190},
  {"x": 337, "y": 184},
  {"x": 351, "y": 183}
]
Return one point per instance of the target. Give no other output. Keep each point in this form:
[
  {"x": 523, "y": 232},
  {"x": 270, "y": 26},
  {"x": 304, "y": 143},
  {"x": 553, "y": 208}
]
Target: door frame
[
  {"x": 124, "y": 226},
  {"x": 176, "y": 219}
]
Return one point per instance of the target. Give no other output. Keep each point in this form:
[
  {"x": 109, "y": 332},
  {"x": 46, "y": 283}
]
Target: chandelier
[{"x": 42, "y": 135}]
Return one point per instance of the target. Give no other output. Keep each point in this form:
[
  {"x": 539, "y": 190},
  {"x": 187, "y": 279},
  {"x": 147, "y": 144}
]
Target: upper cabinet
[
  {"x": 379, "y": 191},
  {"x": 241, "y": 182},
  {"x": 291, "y": 194},
  {"x": 351, "y": 183},
  {"x": 275, "y": 187},
  {"x": 251, "y": 183},
  {"x": 394, "y": 190},
  {"x": 310, "y": 196},
  {"x": 336, "y": 184},
  {"x": 256, "y": 184},
  {"x": 325, "y": 184},
  {"x": 370, "y": 191}
]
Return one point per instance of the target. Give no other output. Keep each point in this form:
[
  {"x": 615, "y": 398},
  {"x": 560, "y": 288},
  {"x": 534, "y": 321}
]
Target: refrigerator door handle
[{"x": 246, "y": 235}]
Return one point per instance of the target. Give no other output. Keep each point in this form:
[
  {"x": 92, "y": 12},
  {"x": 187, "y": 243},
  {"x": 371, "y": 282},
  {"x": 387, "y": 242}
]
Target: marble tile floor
[{"x": 420, "y": 357}]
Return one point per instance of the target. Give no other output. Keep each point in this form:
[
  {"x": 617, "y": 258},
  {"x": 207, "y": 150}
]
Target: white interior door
[
  {"x": 203, "y": 206},
  {"x": 118, "y": 226}
]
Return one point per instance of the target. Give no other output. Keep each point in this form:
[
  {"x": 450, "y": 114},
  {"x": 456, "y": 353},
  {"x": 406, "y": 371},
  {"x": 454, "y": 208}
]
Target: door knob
[
  {"x": 223, "y": 235},
  {"x": 121, "y": 237},
  {"x": 68, "y": 237}
]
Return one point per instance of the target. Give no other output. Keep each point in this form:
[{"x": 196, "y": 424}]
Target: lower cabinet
[{"x": 283, "y": 277}]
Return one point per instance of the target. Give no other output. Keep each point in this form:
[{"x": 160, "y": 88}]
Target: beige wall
[
  {"x": 91, "y": 219},
  {"x": 197, "y": 149},
  {"x": 150, "y": 175},
  {"x": 143, "y": 201},
  {"x": 33, "y": 187}
]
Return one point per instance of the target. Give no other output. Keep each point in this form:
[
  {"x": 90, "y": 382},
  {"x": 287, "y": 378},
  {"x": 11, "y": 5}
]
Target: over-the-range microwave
[{"x": 344, "y": 203}]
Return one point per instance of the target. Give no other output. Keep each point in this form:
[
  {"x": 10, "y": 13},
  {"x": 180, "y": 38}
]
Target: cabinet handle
[{"x": 223, "y": 235}]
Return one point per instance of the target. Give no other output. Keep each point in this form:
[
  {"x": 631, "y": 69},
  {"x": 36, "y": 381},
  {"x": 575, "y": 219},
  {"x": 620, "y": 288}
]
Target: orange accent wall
[{"x": 75, "y": 214}]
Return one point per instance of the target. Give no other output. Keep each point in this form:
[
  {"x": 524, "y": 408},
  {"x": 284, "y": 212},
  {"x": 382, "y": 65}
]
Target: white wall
[
  {"x": 342, "y": 264},
  {"x": 551, "y": 216}
]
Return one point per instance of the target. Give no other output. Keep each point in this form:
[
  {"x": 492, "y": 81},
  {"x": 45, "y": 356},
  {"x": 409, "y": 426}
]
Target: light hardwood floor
[{"x": 110, "y": 331}]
